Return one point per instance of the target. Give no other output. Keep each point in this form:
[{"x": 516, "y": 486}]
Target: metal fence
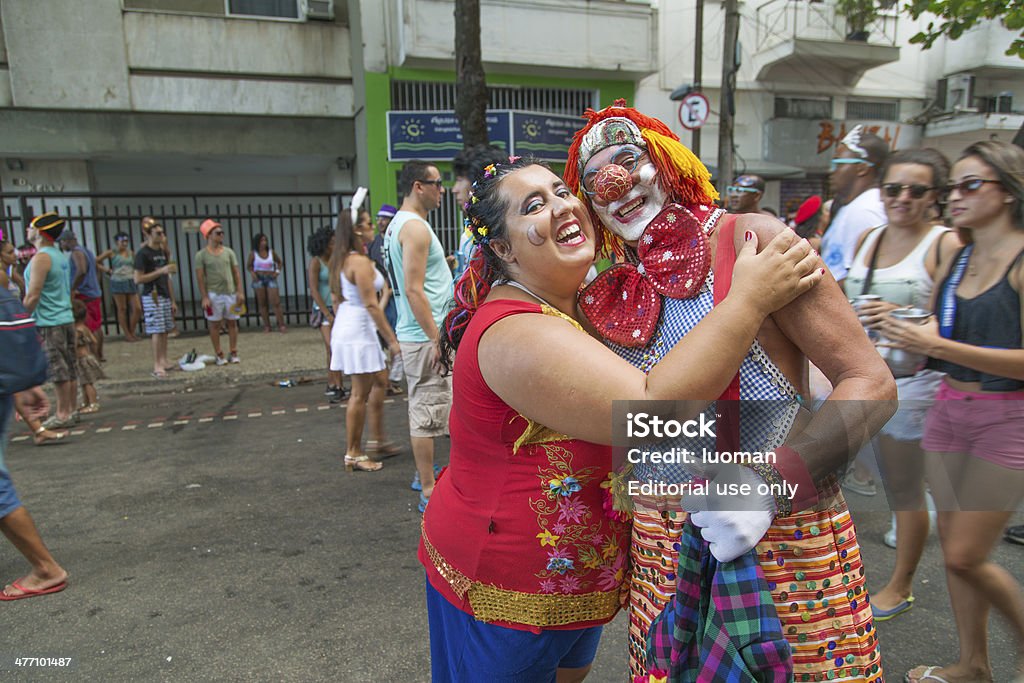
[{"x": 286, "y": 218}]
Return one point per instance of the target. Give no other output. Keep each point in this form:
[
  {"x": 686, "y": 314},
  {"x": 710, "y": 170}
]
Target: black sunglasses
[
  {"x": 966, "y": 187},
  {"x": 438, "y": 182},
  {"x": 916, "y": 191}
]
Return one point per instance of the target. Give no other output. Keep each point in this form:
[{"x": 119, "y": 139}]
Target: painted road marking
[{"x": 103, "y": 430}]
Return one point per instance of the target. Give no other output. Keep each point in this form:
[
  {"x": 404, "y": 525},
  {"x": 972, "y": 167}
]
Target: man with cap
[
  {"x": 855, "y": 167},
  {"x": 744, "y": 195},
  {"x": 220, "y": 284},
  {"x": 48, "y": 298},
  {"x": 653, "y": 207},
  {"x": 85, "y": 285}
]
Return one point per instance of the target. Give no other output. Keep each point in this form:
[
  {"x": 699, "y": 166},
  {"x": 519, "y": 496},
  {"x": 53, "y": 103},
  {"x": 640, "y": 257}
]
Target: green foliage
[
  {"x": 956, "y": 16},
  {"x": 859, "y": 13}
]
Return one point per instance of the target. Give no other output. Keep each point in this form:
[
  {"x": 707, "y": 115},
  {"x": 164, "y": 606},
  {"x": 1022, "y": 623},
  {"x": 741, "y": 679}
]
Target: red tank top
[{"x": 519, "y": 536}]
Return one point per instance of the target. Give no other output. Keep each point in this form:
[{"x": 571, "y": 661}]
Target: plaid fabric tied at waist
[{"x": 721, "y": 626}]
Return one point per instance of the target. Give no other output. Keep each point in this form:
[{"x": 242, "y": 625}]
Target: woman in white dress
[{"x": 355, "y": 350}]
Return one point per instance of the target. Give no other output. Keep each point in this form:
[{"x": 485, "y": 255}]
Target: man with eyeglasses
[
  {"x": 220, "y": 284},
  {"x": 854, "y": 178},
  {"x": 152, "y": 273},
  {"x": 422, "y": 284},
  {"x": 745, "y": 193}
]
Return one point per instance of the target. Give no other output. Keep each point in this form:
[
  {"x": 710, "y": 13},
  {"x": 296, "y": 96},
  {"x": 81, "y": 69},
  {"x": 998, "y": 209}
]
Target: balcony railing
[{"x": 779, "y": 21}]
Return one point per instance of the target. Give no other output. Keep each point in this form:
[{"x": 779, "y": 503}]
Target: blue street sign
[
  {"x": 545, "y": 136},
  {"x": 435, "y": 135}
]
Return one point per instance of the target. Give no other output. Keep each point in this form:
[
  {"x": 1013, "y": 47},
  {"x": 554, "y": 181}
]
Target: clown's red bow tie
[{"x": 624, "y": 302}]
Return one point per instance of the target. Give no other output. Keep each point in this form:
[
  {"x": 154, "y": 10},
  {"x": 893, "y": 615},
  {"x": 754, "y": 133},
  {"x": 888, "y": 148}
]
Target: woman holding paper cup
[
  {"x": 897, "y": 264},
  {"x": 974, "y": 434}
]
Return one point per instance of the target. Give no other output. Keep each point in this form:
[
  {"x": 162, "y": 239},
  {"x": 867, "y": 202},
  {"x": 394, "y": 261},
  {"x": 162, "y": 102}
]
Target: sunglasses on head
[
  {"x": 895, "y": 190},
  {"x": 836, "y": 163},
  {"x": 970, "y": 186}
]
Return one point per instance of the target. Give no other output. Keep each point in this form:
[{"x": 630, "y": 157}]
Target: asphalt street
[{"x": 215, "y": 535}]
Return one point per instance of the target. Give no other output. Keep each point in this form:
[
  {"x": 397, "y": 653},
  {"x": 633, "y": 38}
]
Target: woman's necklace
[{"x": 517, "y": 285}]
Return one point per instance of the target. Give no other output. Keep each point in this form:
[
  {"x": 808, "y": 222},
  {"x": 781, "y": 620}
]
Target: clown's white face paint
[
  {"x": 628, "y": 216},
  {"x": 536, "y": 239}
]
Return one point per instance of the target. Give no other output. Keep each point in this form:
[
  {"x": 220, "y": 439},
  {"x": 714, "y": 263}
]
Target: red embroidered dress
[{"x": 515, "y": 533}]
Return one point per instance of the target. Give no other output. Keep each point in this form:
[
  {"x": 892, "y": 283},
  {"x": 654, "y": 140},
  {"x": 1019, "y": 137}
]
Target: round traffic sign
[{"x": 694, "y": 110}]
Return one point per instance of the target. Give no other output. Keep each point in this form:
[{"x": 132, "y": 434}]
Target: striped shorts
[{"x": 157, "y": 314}]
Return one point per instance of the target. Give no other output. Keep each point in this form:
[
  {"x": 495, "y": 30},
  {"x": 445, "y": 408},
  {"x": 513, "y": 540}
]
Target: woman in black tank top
[{"x": 974, "y": 434}]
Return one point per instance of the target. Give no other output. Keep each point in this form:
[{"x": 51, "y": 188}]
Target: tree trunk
[{"x": 471, "y": 85}]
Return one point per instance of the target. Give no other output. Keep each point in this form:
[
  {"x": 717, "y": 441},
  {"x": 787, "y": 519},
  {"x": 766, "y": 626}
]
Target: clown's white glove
[{"x": 732, "y": 524}]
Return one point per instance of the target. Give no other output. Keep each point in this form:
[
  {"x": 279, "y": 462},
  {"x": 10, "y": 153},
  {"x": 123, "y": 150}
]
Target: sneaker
[
  {"x": 233, "y": 358},
  {"x": 422, "y": 507},
  {"x": 331, "y": 390},
  {"x": 335, "y": 396},
  {"x": 417, "y": 485},
  {"x": 889, "y": 539},
  {"x": 1015, "y": 534},
  {"x": 221, "y": 361}
]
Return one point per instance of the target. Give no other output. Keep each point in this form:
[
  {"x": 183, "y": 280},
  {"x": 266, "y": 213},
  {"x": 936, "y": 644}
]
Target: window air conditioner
[{"x": 322, "y": 10}]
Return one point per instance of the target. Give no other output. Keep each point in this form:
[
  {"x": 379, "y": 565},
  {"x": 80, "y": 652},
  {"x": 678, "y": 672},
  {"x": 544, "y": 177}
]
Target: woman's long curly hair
[
  {"x": 318, "y": 242},
  {"x": 488, "y": 207}
]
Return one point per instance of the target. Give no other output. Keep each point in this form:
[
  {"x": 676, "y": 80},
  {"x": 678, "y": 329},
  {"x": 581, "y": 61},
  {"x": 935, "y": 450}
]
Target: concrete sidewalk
[{"x": 266, "y": 358}]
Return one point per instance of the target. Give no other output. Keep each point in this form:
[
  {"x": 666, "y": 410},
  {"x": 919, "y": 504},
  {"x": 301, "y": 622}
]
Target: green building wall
[{"x": 378, "y": 101}]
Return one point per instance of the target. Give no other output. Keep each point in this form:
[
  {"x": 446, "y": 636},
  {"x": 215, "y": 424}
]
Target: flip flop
[
  {"x": 29, "y": 593},
  {"x": 926, "y": 675},
  {"x": 886, "y": 614},
  {"x": 159, "y": 375}
]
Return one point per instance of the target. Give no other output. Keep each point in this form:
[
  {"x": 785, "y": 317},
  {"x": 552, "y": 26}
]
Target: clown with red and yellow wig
[{"x": 653, "y": 203}]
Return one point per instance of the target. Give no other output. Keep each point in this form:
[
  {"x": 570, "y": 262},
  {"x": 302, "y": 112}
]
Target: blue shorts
[
  {"x": 123, "y": 287},
  {"x": 8, "y": 497},
  {"x": 262, "y": 282},
  {"x": 464, "y": 649}
]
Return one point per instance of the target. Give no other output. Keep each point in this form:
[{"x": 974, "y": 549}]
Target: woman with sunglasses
[
  {"x": 974, "y": 434},
  {"x": 122, "y": 285},
  {"x": 899, "y": 262}
]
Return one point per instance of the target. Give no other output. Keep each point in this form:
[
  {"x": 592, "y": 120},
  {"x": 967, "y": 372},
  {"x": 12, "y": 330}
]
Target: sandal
[
  {"x": 361, "y": 463},
  {"x": 383, "y": 449},
  {"x": 44, "y": 436},
  {"x": 91, "y": 408}
]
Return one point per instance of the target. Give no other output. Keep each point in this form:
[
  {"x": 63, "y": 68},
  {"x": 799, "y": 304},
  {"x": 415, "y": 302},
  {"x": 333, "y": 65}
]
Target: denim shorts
[
  {"x": 8, "y": 497},
  {"x": 264, "y": 282},
  {"x": 122, "y": 286}
]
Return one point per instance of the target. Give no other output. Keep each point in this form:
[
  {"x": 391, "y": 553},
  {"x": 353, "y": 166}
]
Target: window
[
  {"x": 426, "y": 96},
  {"x": 282, "y": 9},
  {"x": 803, "y": 108},
  {"x": 873, "y": 110},
  {"x": 273, "y": 9}
]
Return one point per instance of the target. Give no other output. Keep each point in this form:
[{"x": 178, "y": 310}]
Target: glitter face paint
[{"x": 535, "y": 238}]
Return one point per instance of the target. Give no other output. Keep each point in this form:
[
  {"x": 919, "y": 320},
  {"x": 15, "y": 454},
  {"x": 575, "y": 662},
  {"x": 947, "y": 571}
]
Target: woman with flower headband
[
  {"x": 355, "y": 351},
  {"x": 525, "y": 561}
]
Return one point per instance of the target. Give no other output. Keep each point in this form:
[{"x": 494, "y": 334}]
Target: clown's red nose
[{"x": 612, "y": 182}]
